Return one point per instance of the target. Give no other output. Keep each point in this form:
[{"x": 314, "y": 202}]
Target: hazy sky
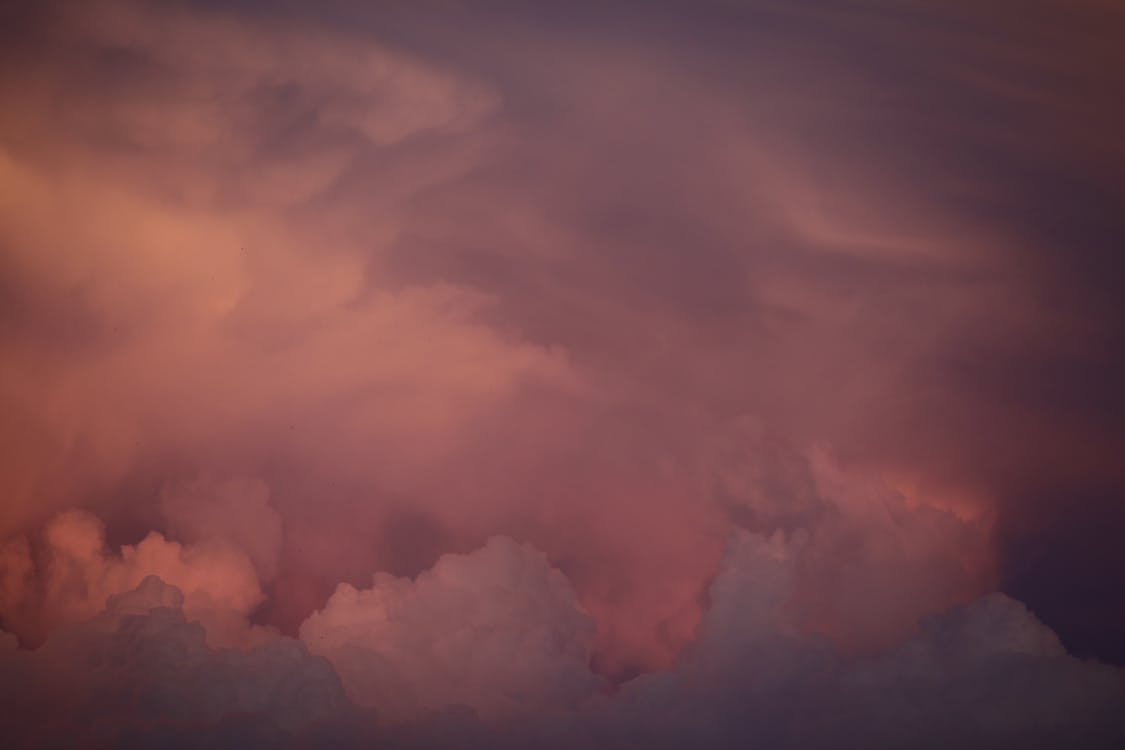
[{"x": 563, "y": 374}]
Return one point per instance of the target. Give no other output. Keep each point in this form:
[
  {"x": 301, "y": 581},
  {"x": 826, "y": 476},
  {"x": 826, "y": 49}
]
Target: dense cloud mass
[
  {"x": 432, "y": 654},
  {"x": 669, "y": 374},
  {"x": 140, "y": 668},
  {"x": 497, "y": 630},
  {"x": 77, "y": 576},
  {"x": 985, "y": 675}
]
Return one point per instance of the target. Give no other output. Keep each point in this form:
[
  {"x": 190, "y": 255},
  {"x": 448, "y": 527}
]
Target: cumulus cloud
[
  {"x": 875, "y": 560},
  {"x": 489, "y": 649},
  {"x": 987, "y": 674},
  {"x": 497, "y": 630},
  {"x": 140, "y": 667},
  {"x": 76, "y": 575}
]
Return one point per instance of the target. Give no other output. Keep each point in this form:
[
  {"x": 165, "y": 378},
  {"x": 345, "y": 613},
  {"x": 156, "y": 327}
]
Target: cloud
[
  {"x": 260, "y": 115},
  {"x": 497, "y": 630},
  {"x": 229, "y": 304},
  {"x": 503, "y": 288},
  {"x": 139, "y": 667},
  {"x": 875, "y": 559},
  {"x": 489, "y": 649},
  {"x": 986, "y": 674},
  {"x": 235, "y": 511},
  {"x": 76, "y": 575},
  {"x": 291, "y": 294}
]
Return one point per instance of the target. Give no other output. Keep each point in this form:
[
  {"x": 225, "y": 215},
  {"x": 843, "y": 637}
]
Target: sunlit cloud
[{"x": 625, "y": 375}]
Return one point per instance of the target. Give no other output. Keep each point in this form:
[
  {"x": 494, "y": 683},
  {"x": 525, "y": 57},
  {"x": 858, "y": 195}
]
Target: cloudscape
[{"x": 717, "y": 374}]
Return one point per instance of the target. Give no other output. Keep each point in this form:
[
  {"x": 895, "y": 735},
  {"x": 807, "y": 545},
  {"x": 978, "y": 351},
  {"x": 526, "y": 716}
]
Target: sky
[{"x": 590, "y": 375}]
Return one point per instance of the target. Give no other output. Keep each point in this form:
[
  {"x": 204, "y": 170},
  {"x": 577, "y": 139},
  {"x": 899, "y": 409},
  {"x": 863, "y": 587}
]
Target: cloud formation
[
  {"x": 984, "y": 675},
  {"x": 678, "y": 374},
  {"x": 139, "y": 669},
  {"x": 76, "y": 576},
  {"x": 497, "y": 630},
  {"x": 478, "y": 650}
]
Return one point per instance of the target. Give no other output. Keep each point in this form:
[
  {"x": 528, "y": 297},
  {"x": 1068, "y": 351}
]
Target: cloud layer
[
  {"x": 598, "y": 375},
  {"x": 488, "y": 648}
]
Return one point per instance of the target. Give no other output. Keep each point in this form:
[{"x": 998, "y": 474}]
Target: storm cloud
[{"x": 631, "y": 373}]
